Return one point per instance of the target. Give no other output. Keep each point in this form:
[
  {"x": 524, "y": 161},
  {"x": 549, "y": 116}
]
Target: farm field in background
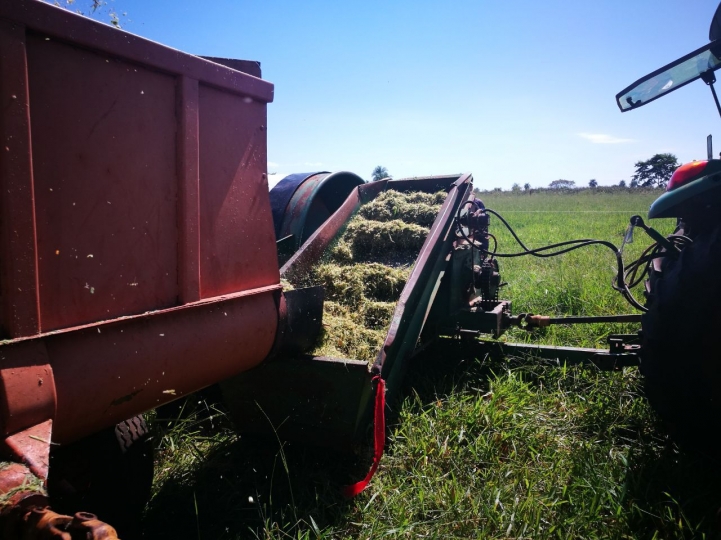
[
  {"x": 477, "y": 448},
  {"x": 576, "y": 283}
]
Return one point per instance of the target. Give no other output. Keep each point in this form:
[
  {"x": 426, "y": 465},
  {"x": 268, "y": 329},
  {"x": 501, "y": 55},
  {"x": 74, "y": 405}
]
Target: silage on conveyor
[{"x": 366, "y": 270}]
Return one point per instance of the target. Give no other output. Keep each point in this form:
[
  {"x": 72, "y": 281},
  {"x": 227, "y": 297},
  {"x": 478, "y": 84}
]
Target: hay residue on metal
[
  {"x": 31, "y": 483},
  {"x": 366, "y": 269}
]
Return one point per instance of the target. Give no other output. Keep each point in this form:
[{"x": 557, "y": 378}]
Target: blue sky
[{"x": 513, "y": 91}]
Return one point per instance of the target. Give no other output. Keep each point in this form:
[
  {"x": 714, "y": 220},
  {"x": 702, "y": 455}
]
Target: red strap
[{"x": 379, "y": 416}]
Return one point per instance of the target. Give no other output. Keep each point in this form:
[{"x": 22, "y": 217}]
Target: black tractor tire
[
  {"x": 681, "y": 352},
  {"x": 109, "y": 474}
]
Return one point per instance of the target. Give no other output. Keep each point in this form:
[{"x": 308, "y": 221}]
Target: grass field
[{"x": 477, "y": 448}]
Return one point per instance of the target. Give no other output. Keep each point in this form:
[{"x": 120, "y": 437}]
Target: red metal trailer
[{"x": 137, "y": 251}]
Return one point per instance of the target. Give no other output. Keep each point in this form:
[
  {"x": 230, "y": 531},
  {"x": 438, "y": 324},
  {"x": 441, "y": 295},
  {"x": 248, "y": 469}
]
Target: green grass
[
  {"x": 478, "y": 447},
  {"x": 577, "y": 283}
]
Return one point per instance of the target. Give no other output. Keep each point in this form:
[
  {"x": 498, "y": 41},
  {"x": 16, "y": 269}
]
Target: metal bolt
[{"x": 82, "y": 517}]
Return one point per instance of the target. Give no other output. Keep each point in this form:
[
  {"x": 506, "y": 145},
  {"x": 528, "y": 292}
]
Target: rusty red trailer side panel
[
  {"x": 235, "y": 233},
  {"x": 19, "y": 309},
  {"x": 137, "y": 250},
  {"x": 104, "y": 157},
  {"x": 107, "y": 372},
  {"x": 130, "y": 215}
]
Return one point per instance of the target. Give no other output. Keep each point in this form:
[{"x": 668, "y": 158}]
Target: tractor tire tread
[{"x": 129, "y": 431}]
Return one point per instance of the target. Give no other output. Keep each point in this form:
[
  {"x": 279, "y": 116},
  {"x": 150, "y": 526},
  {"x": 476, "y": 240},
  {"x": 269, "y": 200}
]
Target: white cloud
[
  {"x": 272, "y": 165},
  {"x": 600, "y": 138}
]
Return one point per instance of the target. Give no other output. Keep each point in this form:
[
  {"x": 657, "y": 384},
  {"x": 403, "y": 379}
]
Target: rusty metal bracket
[
  {"x": 31, "y": 447},
  {"x": 28, "y": 404},
  {"x": 27, "y": 408},
  {"x": 41, "y": 523},
  {"x": 483, "y": 317},
  {"x": 24, "y": 511},
  {"x": 27, "y": 387},
  {"x": 530, "y": 321},
  {"x": 623, "y": 352}
]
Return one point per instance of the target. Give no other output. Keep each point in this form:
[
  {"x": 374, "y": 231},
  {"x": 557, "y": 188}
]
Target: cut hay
[
  {"x": 354, "y": 284},
  {"x": 389, "y": 240},
  {"x": 364, "y": 272},
  {"x": 344, "y": 334},
  {"x": 393, "y": 205}
]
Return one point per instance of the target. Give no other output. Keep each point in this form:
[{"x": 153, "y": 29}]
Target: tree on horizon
[
  {"x": 656, "y": 171},
  {"x": 379, "y": 173},
  {"x": 562, "y": 184}
]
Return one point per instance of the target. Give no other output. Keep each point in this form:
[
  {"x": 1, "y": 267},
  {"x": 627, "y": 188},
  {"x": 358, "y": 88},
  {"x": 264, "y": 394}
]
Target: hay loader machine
[{"x": 141, "y": 258}]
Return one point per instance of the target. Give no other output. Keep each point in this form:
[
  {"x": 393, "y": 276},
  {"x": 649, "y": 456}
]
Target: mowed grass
[{"x": 477, "y": 447}]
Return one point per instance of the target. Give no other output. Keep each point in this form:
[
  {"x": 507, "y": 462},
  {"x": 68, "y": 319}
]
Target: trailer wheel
[
  {"x": 681, "y": 353},
  {"x": 109, "y": 474}
]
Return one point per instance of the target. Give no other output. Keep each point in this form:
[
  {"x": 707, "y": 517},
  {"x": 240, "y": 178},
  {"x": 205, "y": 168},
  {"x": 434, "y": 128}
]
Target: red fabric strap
[{"x": 379, "y": 438}]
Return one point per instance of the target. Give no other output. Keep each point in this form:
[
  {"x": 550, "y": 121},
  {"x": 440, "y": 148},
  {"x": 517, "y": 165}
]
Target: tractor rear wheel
[
  {"x": 681, "y": 353},
  {"x": 109, "y": 473}
]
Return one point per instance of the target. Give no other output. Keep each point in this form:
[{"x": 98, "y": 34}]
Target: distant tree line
[
  {"x": 653, "y": 173},
  {"x": 561, "y": 191}
]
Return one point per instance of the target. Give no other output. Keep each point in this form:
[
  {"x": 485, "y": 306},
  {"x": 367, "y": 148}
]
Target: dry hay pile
[{"x": 366, "y": 270}]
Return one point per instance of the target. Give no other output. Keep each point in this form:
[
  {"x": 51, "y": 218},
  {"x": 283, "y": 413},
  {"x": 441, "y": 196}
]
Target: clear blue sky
[{"x": 512, "y": 91}]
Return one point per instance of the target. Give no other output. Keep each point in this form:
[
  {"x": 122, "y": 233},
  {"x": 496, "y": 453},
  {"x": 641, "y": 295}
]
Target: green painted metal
[
  {"x": 314, "y": 201},
  {"x": 311, "y": 399},
  {"x": 423, "y": 284}
]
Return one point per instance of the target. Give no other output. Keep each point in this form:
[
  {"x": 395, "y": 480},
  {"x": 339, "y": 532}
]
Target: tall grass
[{"x": 478, "y": 447}]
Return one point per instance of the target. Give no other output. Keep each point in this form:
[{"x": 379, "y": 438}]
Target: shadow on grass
[
  {"x": 252, "y": 487},
  {"x": 249, "y": 486},
  {"x": 673, "y": 493},
  {"x": 243, "y": 486},
  {"x": 666, "y": 492}
]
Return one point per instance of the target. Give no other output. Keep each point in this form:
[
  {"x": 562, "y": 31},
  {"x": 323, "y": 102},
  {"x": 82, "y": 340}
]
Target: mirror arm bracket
[{"x": 709, "y": 78}]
